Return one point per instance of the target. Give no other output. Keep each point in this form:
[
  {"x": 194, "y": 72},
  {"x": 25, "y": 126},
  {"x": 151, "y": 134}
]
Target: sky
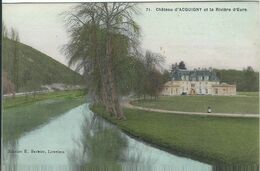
[{"x": 218, "y": 39}]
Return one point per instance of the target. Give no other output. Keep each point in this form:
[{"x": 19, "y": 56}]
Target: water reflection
[
  {"x": 10, "y": 155},
  {"x": 90, "y": 143},
  {"x": 100, "y": 146}
]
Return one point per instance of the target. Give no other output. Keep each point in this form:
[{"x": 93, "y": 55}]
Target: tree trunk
[
  {"x": 107, "y": 97},
  {"x": 115, "y": 104},
  {"x": 100, "y": 71}
]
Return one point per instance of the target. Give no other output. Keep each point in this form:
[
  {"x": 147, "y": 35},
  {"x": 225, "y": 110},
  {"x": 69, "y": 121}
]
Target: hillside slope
[{"x": 32, "y": 68}]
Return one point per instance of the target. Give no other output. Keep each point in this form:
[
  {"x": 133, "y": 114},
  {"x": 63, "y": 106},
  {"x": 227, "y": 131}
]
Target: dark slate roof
[{"x": 194, "y": 75}]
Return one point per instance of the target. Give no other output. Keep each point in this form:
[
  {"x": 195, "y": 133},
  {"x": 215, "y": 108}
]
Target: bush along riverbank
[
  {"x": 23, "y": 114},
  {"x": 214, "y": 140}
]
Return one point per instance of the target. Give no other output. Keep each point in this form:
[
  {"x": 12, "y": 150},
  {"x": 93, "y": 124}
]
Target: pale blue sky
[{"x": 201, "y": 39}]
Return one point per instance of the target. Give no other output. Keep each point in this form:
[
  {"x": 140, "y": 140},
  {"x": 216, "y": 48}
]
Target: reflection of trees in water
[
  {"x": 101, "y": 146},
  {"x": 98, "y": 147},
  {"x": 10, "y": 159}
]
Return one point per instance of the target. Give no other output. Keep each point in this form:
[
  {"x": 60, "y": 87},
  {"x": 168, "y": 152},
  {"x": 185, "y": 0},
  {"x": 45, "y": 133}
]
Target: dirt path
[{"x": 236, "y": 115}]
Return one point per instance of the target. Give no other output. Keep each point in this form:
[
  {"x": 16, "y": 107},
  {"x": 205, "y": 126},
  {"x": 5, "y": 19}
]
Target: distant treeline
[{"x": 246, "y": 80}]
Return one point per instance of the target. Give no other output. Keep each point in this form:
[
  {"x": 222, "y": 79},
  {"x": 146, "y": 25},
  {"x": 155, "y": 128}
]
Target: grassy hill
[{"x": 34, "y": 68}]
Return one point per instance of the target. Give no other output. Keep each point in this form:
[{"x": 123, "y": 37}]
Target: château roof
[{"x": 194, "y": 75}]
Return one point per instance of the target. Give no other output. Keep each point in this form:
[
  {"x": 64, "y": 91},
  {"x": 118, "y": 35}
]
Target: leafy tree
[
  {"x": 174, "y": 67},
  {"x": 250, "y": 79},
  {"x": 103, "y": 35},
  {"x": 182, "y": 65},
  {"x": 246, "y": 80},
  {"x": 153, "y": 79},
  {"x": 16, "y": 58},
  {"x": 4, "y": 30},
  {"x": 8, "y": 86},
  {"x": 166, "y": 76}
]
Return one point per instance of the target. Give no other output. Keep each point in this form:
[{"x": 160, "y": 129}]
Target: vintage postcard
[{"x": 111, "y": 86}]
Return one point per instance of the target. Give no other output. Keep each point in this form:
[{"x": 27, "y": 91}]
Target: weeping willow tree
[{"x": 102, "y": 36}]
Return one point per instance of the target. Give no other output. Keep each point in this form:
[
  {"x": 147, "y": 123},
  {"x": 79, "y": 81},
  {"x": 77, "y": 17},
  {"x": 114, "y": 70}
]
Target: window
[
  {"x": 182, "y": 77},
  {"x": 206, "y": 91},
  {"x": 187, "y": 77}
]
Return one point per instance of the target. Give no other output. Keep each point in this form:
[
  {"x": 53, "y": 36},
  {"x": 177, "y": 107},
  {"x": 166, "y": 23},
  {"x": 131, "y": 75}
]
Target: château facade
[{"x": 196, "y": 82}]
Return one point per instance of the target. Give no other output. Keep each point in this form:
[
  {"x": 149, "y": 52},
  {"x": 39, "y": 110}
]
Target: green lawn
[
  {"x": 209, "y": 139},
  {"x": 248, "y": 93},
  {"x": 22, "y": 114},
  {"x": 244, "y": 103},
  {"x": 23, "y": 100}
]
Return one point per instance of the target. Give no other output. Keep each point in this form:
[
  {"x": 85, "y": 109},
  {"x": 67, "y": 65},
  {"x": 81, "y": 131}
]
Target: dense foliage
[{"x": 246, "y": 80}]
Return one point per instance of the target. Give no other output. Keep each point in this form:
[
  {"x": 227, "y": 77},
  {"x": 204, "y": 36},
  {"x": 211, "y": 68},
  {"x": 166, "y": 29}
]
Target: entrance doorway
[{"x": 193, "y": 92}]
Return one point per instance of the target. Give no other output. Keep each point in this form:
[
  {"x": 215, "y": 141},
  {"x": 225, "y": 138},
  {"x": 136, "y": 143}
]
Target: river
[{"x": 81, "y": 140}]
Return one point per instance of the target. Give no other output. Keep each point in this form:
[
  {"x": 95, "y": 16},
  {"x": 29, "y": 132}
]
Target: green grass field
[
  {"x": 243, "y": 103},
  {"x": 22, "y": 114},
  {"x": 208, "y": 139},
  {"x": 248, "y": 93}
]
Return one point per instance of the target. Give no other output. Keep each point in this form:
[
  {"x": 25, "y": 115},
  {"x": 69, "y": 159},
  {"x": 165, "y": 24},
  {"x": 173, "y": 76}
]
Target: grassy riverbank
[
  {"x": 22, "y": 114},
  {"x": 23, "y": 100},
  {"x": 209, "y": 139},
  {"x": 243, "y": 103}
]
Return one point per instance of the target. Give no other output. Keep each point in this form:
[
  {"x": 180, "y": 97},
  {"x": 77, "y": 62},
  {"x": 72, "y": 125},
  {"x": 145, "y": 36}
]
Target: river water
[{"x": 80, "y": 140}]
